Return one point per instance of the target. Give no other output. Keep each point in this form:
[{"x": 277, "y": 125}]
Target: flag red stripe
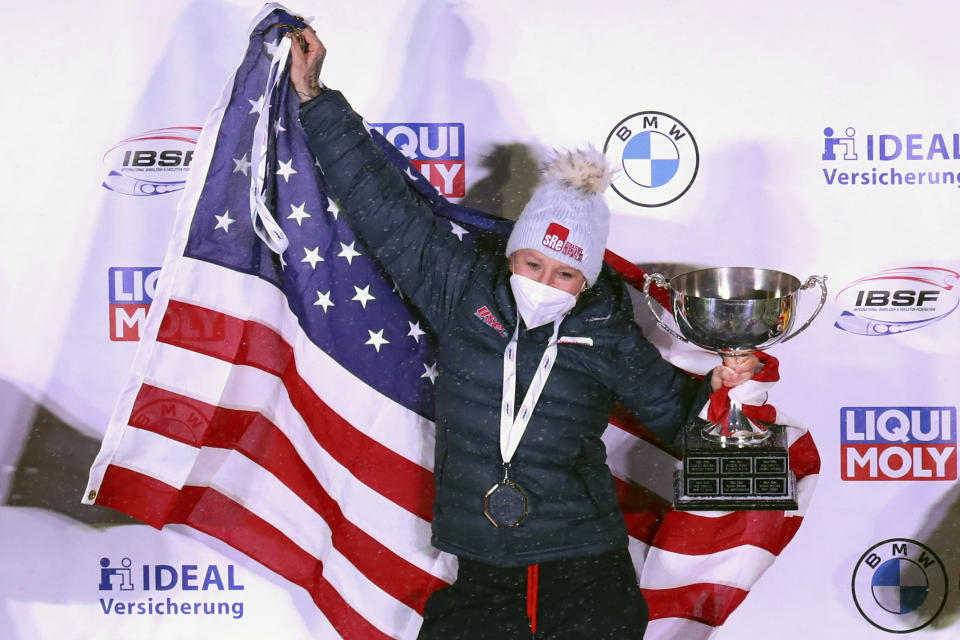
[
  {"x": 804, "y": 458},
  {"x": 651, "y": 519},
  {"x": 207, "y": 510},
  {"x": 642, "y": 509},
  {"x": 260, "y": 440},
  {"x": 634, "y": 276},
  {"x": 245, "y": 342},
  {"x": 145, "y": 498},
  {"x": 621, "y": 417},
  {"x": 690, "y": 534},
  {"x": 215, "y": 514},
  {"x": 708, "y": 603}
]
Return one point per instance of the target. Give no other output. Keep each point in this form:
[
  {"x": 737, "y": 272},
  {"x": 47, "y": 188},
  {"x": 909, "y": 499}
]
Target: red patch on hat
[{"x": 556, "y": 238}]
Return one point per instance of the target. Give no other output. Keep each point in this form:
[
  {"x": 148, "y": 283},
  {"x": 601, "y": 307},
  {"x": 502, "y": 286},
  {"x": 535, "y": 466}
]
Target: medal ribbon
[{"x": 511, "y": 430}]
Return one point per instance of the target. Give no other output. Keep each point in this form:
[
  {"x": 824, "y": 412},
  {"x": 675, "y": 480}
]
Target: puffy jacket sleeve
[
  {"x": 662, "y": 396},
  {"x": 418, "y": 250}
]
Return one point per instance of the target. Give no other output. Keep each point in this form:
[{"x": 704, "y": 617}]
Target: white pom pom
[{"x": 586, "y": 170}]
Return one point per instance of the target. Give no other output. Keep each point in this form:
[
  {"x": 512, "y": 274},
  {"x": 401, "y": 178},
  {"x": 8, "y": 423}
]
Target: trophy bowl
[{"x": 734, "y": 311}]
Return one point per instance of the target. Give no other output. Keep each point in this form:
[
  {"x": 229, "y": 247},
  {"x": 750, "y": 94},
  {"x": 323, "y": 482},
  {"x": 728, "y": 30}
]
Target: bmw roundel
[
  {"x": 899, "y": 585},
  {"x": 657, "y": 157}
]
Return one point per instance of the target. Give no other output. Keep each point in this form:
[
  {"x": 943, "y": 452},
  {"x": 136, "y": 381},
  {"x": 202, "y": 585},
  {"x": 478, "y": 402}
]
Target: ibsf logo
[
  {"x": 151, "y": 163},
  {"x": 556, "y": 238},
  {"x": 435, "y": 149},
  {"x": 898, "y": 443},
  {"x": 131, "y": 292},
  {"x": 897, "y": 300},
  {"x": 657, "y": 157},
  {"x": 899, "y": 585}
]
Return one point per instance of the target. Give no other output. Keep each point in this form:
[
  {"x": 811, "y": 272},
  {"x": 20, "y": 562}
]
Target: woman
[{"x": 535, "y": 346}]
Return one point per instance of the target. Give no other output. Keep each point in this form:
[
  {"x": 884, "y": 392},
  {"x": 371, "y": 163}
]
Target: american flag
[{"x": 284, "y": 403}]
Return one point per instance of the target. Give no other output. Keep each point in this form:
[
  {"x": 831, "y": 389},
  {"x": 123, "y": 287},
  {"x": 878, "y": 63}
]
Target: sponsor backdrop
[{"x": 820, "y": 138}]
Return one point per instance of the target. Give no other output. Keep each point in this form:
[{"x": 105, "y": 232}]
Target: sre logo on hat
[{"x": 556, "y": 239}]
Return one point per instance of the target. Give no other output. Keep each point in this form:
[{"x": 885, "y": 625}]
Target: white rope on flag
[{"x": 268, "y": 230}]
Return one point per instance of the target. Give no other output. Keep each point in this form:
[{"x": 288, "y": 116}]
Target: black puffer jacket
[{"x": 561, "y": 461}]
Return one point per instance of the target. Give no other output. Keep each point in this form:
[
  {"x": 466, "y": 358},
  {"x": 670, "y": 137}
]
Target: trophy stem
[{"x": 737, "y": 430}]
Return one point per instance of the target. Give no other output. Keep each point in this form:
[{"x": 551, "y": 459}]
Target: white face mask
[{"x": 540, "y": 303}]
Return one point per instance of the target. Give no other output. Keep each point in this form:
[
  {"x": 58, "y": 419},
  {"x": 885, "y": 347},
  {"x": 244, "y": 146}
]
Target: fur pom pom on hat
[
  {"x": 585, "y": 170},
  {"x": 567, "y": 218}
]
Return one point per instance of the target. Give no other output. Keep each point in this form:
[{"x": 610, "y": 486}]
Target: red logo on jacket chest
[{"x": 487, "y": 316}]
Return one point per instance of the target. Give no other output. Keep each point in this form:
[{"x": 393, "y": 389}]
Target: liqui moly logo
[
  {"x": 556, "y": 238},
  {"x": 487, "y": 316},
  {"x": 131, "y": 291},
  {"x": 898, "y": 443},
  {"x": 436, "y": 149}
]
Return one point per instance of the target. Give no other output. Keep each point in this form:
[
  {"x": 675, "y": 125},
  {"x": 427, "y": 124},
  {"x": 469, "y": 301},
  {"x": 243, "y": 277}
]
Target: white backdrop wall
[{"x": 755, "y": 83}]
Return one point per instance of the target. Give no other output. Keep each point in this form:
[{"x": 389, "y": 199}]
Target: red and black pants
[{"x": 592, "y": 597}]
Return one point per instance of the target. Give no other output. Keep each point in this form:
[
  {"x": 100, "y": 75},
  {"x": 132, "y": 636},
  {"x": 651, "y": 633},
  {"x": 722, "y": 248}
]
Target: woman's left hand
[{"x": 734, "y": 371}]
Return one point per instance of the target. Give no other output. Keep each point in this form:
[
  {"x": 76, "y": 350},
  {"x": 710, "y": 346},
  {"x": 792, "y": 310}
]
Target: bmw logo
[
  {"x": 899, "y": 585},
  {"x": 657, "y": 157}
]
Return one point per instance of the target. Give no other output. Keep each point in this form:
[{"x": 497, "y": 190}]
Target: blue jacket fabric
[{"x": 466, "y": 297}]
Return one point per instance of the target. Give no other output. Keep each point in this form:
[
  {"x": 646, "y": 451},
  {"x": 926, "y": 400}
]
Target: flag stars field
[
  {"x": 430, "y": 371},
  {"x": 347, "y": 251},
  {"x": 224, "y": 221},
  {"x": 323, "y": 300},
  {"x": 415, "y": 331},
  {"x": 363, "y": 296},
  {"x": 376, "y": 339},
  {"x": 312, "y": 256},
  {"x": 333, "y": 209},
  {"x": 286, "y": 170},
  {"x": 242, "y": 165},
  {"x": 256, "y": 106},
  {"x": 457, "y": 230},
  {"x": 299, "y": 213}
]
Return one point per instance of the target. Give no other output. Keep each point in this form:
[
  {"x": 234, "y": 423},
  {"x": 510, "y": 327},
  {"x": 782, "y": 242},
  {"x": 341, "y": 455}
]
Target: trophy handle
[
  {"x": 812, "y": 280},
  {"x": 660, "y": 281}
]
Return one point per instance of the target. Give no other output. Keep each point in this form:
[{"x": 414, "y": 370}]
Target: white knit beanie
[{"x": 567, "y": 218}]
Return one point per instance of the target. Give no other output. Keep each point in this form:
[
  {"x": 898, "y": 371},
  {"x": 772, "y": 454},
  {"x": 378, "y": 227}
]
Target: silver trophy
[{"x": 734, "y": 311}]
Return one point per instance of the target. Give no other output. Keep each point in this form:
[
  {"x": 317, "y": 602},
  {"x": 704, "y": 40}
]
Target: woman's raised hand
[{"x": 306, "y": 60}]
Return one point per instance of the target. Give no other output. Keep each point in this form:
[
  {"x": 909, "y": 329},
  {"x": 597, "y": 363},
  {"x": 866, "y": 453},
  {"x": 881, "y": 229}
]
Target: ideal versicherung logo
[
  {"x": 127, "y": 583},
  {"x": 853, "y": 158}
]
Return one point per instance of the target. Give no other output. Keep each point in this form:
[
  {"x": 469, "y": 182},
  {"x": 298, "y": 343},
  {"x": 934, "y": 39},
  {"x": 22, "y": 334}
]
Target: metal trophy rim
[{"x": 738, "y": 430}]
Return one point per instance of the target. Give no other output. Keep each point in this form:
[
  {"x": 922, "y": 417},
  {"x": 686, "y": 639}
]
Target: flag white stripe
[
  {"x": 154, "y": 455},
  {"x": 737, "y": 567},
  {"x": 250, "y": 298},
  {"x": 195, "y": 375},
  {"x": 260, "y": 492},
  {"x": 805, "y": 488},
  {"x": 678, "y": 629},
  {"x": 634, "y": 459},
  {"x": 393, "y": 526},
  {"x": 638, "y": 553}
]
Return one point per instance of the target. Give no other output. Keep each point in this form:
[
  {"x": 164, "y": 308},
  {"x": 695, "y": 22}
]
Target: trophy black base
[{"x": 716, "y": 476}]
